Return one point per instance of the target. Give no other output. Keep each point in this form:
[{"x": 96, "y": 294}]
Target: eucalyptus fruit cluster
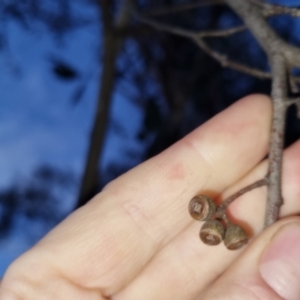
[{"x": 216, "y": 228}]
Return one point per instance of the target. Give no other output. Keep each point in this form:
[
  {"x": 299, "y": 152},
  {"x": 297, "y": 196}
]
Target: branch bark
[
  {"x": 273, "y": 10},
  {"x": 279, "y": 97}
]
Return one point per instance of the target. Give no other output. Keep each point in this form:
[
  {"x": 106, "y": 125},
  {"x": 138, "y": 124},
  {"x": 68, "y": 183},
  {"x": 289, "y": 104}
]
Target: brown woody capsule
[
  {"x": 212, "y": 232},
  {"x": 235, "y": 237},
  {"x": 202, "y": 208}
]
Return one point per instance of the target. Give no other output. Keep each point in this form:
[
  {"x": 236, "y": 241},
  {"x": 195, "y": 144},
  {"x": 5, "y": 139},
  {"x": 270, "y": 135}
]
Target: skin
[{"x": 136, "y": 240}]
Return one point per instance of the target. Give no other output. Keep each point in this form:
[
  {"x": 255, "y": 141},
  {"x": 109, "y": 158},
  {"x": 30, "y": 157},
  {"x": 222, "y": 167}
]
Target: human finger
[
  {"x": 268, "y": 269},
  {"x": 114, "y": 236},
  {"x": 186, "y": 267}
]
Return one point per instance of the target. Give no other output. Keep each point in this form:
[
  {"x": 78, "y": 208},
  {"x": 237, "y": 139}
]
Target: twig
[
  {"x": 222, "y": 207},
  {"x": 188, "y": 33},
  {"x": 273, "y": 10},
  {"x": 279, "y": 97},
  {"x": 296, "y": 102},
  {"x": 269, "y": 40},
  {"x": 181, "y": 7},
  {"x": 293, "y": 82},
  {"x": 165, "y": 27},
  {"x": 292, "y": 101},
  {"x": 221, "y": 33},
  {"x": 223, "y": 59},
  {"x": 225, "y": 62},
  {"x": 194, "y": 36}
]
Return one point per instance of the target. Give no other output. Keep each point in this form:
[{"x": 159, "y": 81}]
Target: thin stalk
[
  {"x": 222, "y": 207},
  {"x": 279, "y": 97}
]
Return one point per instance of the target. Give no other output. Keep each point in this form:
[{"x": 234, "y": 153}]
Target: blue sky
[{"x": 39, "y": 124}]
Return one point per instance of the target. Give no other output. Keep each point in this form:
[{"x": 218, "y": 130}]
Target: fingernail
[{"x": 280, "y": 262}]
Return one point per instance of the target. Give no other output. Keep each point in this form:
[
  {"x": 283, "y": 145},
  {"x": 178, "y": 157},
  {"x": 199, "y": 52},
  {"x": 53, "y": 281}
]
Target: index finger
[{"x": 106, "y": 243}]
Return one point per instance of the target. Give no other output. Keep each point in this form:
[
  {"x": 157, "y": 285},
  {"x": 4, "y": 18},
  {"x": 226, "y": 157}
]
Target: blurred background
[{"x": 87, "y": 92}]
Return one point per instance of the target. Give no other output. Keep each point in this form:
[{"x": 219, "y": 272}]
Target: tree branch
[
  {"x": 220, "y": 33},
  {"x": 225, "y": 62},
  {"x": 188, "y": 33},
  {"x": 269, "y": 40},
  {"x": 223, "y": 206},
  {"x": 195, "y": 36},
  {"x": 165, "y": 27},
  {"x": 273, "y": 10},
  {"x": 293, "y": 81},
  {"x": 295, "y": 101},
  {"x": 279, "y": 97}
]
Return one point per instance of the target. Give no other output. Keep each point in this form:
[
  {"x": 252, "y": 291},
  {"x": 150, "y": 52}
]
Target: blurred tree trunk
[{"x": 112, "y": 42}]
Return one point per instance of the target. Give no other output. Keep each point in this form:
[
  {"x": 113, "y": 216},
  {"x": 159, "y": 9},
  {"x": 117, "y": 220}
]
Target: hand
[{"x": 135, "y": 240}]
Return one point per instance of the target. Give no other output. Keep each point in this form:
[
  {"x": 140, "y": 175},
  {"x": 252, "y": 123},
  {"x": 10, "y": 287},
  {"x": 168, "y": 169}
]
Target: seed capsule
[
  {"x": 235, "y": 237},
  {"x": 202, "y": 208},
  {"x": 212, "y": 232}
]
